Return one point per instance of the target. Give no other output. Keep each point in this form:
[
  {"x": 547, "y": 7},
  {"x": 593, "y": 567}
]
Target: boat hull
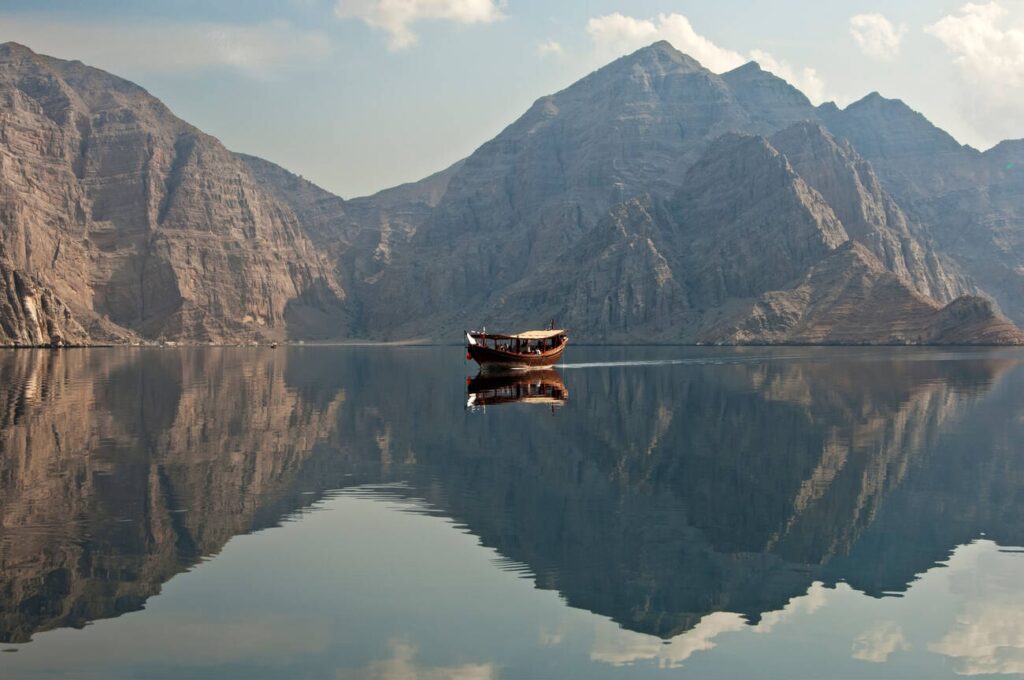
[{"x": 497, "y": 361}]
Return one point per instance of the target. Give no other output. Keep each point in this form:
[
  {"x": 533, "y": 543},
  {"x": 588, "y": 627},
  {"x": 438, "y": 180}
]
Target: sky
[{"x": 360, "y": 95}]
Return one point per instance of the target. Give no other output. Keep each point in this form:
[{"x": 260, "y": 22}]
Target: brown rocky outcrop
[
  {"x": 32, "y": 316},
  {"x": 850, "y": 298}
]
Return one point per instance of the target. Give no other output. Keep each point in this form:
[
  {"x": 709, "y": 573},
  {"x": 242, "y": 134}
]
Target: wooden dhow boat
[
  {"x": 543, "y": 386},
  {"x": 519, "y": 352}
]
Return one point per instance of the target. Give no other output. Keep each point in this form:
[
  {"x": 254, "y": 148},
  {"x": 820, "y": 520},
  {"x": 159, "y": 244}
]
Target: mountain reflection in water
[{"x": 669, "y": 498}]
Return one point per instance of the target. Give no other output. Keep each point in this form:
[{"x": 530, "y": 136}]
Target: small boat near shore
[{"x": 523, "y": 351}]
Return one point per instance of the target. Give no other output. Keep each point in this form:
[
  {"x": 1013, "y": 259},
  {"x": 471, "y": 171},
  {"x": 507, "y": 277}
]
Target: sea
[{"x": 636, "y": 512}]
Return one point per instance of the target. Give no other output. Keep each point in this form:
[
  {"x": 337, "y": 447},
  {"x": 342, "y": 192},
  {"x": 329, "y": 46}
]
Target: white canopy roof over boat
[
  {"x": 471, "y": 336},
  {"x": 538, "y": 335}
]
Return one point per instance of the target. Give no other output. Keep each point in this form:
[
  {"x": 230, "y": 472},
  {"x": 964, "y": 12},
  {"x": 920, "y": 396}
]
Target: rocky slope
[
  {"x": 606, "y": 206},
  {"x": 129, "y": 215},
  {"x": 536, "y": 191},
  {"x": 850, "y": 298},
  {"x": 971, "y": 202},
  {"x": 652, "y": 200},
  {"x": 751, "y": 252}
]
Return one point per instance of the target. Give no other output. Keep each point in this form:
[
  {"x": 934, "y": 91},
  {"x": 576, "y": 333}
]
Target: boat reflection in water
[{"x": 533, "y": 387}]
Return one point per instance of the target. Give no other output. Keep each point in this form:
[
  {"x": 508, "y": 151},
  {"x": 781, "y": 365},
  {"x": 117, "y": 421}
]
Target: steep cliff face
[
  {"x": 839, "y": 265},
  {"x": 756, "y": 227},
  {"x": 359, "y": 237},
  {"x": 31, "y": 315},
  {"x": 971, "y": 203},
  {"x": 127, "y": 213},
  {"x": 870, "y": 215}
]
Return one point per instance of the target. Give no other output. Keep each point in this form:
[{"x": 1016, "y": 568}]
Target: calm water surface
[{"x": 645, "y": 512}]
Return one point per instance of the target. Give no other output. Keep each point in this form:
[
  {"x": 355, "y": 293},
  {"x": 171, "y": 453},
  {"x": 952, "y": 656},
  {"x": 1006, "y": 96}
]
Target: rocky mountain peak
[
  {"x": 875, "y": 122},
  {"x": 650, "y": 69},
  {"x": 13, "y": 49},
  {"x": 752, "y": 74},
  {"x": 770, "y": 100},
  {"x": 663, "y": 56},
  {"x": 1006, "y": 152},
  {"x": 751, "y": 69}
]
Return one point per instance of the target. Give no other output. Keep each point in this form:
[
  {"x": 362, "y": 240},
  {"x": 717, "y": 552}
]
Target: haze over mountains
[{"x": 651, "y": 201}]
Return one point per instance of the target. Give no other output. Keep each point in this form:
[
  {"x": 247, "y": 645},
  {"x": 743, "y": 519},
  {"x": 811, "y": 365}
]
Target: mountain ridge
[{"x": 146, "y": 229}]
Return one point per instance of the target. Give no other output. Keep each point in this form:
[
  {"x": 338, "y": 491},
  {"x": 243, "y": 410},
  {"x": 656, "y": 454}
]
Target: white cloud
[
  {"x": 817, "y": 596},
  {"x": 619, "y": 647},
  {"x": 987, "y": 45},
  {"x": 988, "y": 640},
  {"x": 616, "y": 34},
  {"x": 876, "y": 36},
  {"x": 987, "y": 637},
  {"x": 549, "y": 47},
  {"x": 396, "y": 17},
  {"x": 878, "y": 643},
  {"x": 550, "y": 638},
  {"x": 402, "y": 666},
  {"x": 169, "y": 47},
  {"x": 982, "y": 42}
]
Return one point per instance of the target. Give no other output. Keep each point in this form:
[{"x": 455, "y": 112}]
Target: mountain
[
  {"x": 135, "y": 224},
  {"x": 573, "y": 212},
  {"x": 651, "y": 200},
  {"x": 749, "y": 251},
  {"x": 971, "y": 202},
  {"x": 536, "y": 192}
]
